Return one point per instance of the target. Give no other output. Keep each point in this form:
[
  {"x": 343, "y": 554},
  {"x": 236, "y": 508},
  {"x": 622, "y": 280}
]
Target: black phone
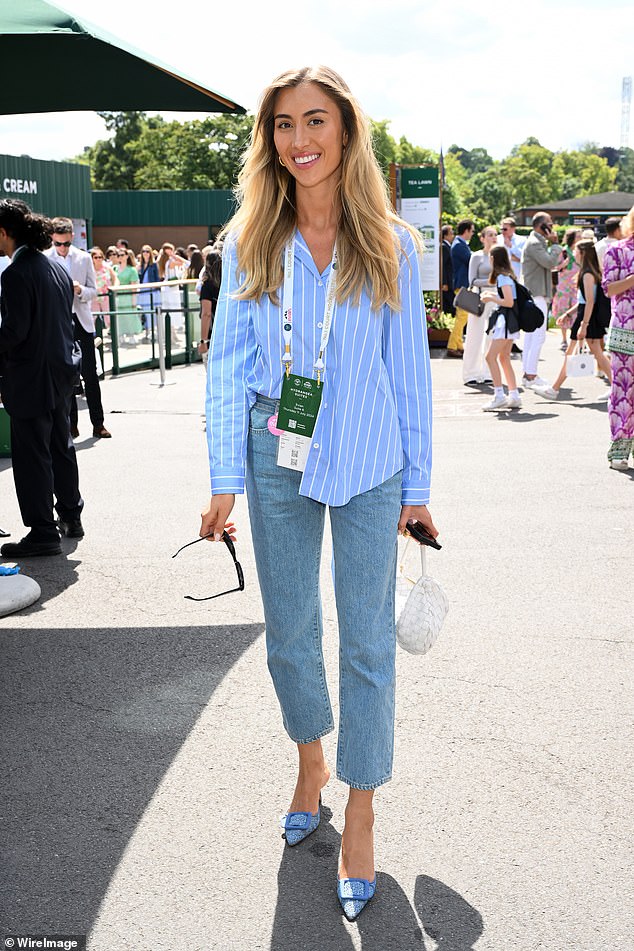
[
  {"x": 420, "y": 534},
  {"x": 546, "y": 229}
]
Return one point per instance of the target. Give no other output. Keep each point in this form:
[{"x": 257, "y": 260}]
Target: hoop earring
[{"x": 279, "y": 158}]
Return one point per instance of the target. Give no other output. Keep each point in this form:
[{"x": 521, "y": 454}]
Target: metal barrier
[{"x": 151, "y": 325}]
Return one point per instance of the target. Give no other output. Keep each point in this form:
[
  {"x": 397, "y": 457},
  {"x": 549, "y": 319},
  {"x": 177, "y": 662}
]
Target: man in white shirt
[
  {"x": 513, "y": 243},
  {"x": 79, "y": 265},
  {"x": 613, "y": 234}
]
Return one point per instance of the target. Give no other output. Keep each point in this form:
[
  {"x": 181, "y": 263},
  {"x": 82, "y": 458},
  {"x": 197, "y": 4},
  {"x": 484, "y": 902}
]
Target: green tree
[
  {"x": 488, "y": 195},
  {"x": 530, "y": 174},
  {"x": 625, "y": 171},
  {"x": 473, "y": 160},
  {"x": 111, "y": 161},
  {"x": 198, "y": 154},
  {"x": 583, "y": 173},
  {"x": 383, "y": 144}
]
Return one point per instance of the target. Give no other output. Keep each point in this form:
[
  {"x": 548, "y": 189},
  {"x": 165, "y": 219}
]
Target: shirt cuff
[
  {"x": 227, "y": 483},
  {"x": 415, "y": 495}
]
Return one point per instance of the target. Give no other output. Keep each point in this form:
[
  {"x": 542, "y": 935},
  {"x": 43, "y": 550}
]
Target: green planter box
[{"x": 5, "y": 434}]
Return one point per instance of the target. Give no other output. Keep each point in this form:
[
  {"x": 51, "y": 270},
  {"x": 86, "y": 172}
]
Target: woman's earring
[{"x": 279, "y": 158}]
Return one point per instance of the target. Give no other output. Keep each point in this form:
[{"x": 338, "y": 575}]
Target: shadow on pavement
[
  {"x": 54, "y": 574},
  {"x": 92, "y": 719},
  {"x": 447, "y": 917},
  {"x": 308, "y": 914},
  {"x": 523, "y": 416}
]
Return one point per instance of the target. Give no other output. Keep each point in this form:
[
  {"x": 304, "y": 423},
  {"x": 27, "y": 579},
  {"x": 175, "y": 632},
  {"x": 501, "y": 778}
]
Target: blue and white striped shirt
[{"x": 375, "y": 414}]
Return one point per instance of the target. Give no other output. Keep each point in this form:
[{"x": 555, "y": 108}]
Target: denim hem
[
  {"x": 376, "y": 785},
  {"x": 317, "y": 736}
]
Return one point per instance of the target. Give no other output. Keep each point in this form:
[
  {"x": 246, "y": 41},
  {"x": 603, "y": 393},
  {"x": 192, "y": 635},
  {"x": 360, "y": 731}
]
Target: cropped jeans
[{"x": 287, "y": 537}]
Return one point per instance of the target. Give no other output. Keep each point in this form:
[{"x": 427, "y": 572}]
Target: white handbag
[
  {"x": 580, "y": 363},
  {"x": 421, "y": 607}
]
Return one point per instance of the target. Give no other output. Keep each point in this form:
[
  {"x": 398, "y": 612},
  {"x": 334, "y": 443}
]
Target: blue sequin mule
[
  {"x": 299, "y": 825},
  {"x": 354, "y": 894}
]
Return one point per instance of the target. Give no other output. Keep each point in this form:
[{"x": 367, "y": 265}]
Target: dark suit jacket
[
  {"x": 447, "y": 266},
  {"x": 38, "y": 359},
  {"x": 460, "y": 257}
]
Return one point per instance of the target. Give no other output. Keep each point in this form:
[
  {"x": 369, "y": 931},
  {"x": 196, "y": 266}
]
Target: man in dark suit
[
  {"x": 39, "y": 366},
  {"x": 447, "y": 270}
]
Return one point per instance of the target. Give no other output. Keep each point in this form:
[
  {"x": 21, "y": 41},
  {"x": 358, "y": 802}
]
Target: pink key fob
[{"x": 271, "y": 423}]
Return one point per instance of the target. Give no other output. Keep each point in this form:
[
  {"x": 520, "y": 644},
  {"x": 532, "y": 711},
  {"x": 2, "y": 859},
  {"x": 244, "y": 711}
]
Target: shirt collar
[{"x": 304, "y": 255}]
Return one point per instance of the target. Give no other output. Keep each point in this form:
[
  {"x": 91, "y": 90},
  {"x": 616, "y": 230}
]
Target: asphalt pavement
[{"x": 145, "y": 765}]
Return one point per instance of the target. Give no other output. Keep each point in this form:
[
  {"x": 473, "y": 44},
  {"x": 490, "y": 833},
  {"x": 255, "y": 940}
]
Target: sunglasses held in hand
[{"x": 226, "y": 538}]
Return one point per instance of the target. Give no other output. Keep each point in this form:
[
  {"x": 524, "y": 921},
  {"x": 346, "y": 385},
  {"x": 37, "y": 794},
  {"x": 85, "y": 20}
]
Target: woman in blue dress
[{"x": 321, "y": 294}]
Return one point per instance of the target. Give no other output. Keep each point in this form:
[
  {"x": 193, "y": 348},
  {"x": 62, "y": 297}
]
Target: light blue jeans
[{"x": 287, "y": 537}]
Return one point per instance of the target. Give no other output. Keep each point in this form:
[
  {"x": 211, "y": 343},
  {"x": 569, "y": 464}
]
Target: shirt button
[
  {"x": 320, "y": 283},
  {"x": 315, "y": 445},
  {"x": 325, "y": 405},
  {"x": 320, "y": 325}
]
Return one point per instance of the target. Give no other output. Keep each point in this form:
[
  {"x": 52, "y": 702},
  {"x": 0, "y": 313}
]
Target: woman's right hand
[{"x": 214, "y": 518}]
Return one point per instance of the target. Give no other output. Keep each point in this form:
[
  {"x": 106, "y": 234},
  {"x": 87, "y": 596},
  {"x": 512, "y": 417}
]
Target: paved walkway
[{"x": 145, "y": 764}]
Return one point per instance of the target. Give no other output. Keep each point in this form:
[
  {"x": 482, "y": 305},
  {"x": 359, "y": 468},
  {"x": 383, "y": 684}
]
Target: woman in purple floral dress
[{"x": 618, "y": 283}]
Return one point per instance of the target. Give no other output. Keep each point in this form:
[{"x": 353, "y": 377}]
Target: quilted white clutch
[{"x": 421, "y": 612}]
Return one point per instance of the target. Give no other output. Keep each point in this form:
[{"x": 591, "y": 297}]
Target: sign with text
[{"x": 418, "y": 203}]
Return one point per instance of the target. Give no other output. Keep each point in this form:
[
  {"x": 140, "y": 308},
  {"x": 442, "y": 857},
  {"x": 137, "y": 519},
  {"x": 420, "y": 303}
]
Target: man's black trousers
[
  {"x": 44, "y": 463},
  {"x": 92, "y": 389}
]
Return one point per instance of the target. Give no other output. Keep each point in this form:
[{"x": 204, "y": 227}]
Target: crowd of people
[
  {"x": 136, "y": 311},
  {"x": 584, "y": 284}
]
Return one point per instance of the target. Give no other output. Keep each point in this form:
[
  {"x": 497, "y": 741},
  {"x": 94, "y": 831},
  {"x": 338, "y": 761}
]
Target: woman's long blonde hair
[
  {"x": 367, "y": 247},
  {"x": 627, "y": 223}
]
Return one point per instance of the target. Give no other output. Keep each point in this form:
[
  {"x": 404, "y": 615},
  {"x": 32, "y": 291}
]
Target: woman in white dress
[
  {"x": 171, "y": 267},
  {"x": 474, "y": 368}
]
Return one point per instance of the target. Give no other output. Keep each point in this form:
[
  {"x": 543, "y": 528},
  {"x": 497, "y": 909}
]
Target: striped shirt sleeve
[
  {"x": 406, "y": 357},
  {"x": 231, "y": 359}
]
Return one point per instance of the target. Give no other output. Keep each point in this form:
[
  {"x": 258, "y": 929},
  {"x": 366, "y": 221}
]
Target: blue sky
[{"x": 475, "y": 74}]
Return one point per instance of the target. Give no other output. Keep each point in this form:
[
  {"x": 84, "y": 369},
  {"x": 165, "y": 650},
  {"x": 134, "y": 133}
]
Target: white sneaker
[
  {"x": 514, "y": 402},
  {"x": 603, "y": 398},
  {"x": 621, "y": 464},
  {"x": 547, "y": 392},
  {"x": 531, "y": 384},
  {"x": 498, "y": 402}
]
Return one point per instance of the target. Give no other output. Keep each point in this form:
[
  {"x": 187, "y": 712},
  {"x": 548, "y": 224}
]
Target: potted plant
[{"x": 439, "y": 326}]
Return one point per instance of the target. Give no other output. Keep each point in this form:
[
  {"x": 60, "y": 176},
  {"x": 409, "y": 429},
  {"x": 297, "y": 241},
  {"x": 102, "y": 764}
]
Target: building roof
[{"x": 617, "y": 202}]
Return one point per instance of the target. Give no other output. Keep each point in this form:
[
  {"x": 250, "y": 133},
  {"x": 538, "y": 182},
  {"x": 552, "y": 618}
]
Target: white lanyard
[{"x": 287, "y": 309}]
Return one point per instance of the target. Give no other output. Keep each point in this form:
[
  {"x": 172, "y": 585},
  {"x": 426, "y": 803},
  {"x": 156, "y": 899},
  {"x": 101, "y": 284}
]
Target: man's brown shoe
[
  {"x": 458, "y": 354},
  {"x": 100, "y": 432}
]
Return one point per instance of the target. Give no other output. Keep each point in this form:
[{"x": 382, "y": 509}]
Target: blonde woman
[
  {"x": 321, "y": 284},
  {"x": 105, "y": 278},
  {"x": 474, "y": 368}
]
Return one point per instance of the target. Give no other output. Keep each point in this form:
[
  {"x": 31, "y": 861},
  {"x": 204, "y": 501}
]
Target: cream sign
[{"x": 19, "y": 186}]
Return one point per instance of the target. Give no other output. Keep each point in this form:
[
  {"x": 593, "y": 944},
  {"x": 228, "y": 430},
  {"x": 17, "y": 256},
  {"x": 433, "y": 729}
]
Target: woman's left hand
[{"x": 419, "y": 513}]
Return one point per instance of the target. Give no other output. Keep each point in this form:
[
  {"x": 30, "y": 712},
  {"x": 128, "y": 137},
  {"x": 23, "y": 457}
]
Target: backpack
[{"x": 529, "y": 315}]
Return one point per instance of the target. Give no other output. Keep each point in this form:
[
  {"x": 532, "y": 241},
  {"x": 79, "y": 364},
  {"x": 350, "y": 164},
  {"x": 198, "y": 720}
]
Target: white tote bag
[
  {"x": 580, "y": 363},
  {"x": 421, "y": 608}
]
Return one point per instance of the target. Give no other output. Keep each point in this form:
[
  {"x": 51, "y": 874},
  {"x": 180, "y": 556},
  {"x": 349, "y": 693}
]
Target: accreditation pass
[{"x": 296, "y": 417}]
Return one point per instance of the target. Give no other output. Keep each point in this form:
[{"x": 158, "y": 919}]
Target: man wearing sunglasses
[{"x": 79, "y": 265}]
